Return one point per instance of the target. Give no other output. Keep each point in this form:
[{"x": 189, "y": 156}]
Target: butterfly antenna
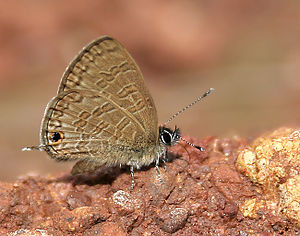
[
  {"x": 188, "y": 106},
  {"x": 193, "y": 145}
]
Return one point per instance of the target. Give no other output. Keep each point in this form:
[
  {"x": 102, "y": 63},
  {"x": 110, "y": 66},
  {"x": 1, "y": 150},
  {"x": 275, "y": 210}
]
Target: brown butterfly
[{"x": 104, "y": 115}]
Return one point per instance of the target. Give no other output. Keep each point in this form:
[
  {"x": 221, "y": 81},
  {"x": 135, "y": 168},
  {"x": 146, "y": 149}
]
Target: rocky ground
[{"x": 234, "y": 187}]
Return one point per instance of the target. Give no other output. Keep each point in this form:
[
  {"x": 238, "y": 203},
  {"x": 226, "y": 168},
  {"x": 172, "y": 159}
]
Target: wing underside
[{"x": 102, "y": 107}]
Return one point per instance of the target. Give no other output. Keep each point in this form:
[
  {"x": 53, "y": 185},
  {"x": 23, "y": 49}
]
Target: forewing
[{"x": 105, "y": 66}]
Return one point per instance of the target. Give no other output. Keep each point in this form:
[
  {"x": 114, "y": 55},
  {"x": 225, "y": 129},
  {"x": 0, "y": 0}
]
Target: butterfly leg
[
  {"x": 157, "y": 169},
  {"x": 132, "y": 178},
  {"x": 164, "y": 160},
  {"x": 164, "y": 163}
]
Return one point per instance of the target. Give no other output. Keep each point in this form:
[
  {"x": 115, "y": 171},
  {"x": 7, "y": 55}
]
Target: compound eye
[{"x": 166, "y": 138}]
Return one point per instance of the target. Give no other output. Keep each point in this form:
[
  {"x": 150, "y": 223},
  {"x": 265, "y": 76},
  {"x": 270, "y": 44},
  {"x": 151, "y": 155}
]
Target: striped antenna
[
  {"x": 193, "y": 103},
  {"x": 193, "y": 145}
]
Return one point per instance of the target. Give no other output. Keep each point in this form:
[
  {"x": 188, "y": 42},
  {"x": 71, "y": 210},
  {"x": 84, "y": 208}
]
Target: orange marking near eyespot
[{"x": 58, "y": 141}]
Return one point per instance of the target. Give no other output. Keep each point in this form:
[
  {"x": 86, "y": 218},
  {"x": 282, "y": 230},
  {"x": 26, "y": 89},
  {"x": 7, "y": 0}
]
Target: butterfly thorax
[{"x": 150, "y": 153}]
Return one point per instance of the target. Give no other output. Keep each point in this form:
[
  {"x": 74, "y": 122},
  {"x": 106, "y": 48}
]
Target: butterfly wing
[{"x": 102, "y": 110}]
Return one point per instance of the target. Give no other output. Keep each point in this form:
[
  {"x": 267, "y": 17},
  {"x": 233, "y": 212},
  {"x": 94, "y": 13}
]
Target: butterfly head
[{"x": 169, "y": 137}]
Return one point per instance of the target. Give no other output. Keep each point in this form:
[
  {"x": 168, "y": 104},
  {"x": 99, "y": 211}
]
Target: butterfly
[{"x": 103, "y": 114}]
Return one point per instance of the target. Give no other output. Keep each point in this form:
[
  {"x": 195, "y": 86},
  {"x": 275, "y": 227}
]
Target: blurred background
[{"x": 249, "y": 51}]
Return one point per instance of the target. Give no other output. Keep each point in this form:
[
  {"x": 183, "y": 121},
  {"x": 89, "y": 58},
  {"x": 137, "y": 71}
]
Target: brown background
[{"x": 249, "y": 51}]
